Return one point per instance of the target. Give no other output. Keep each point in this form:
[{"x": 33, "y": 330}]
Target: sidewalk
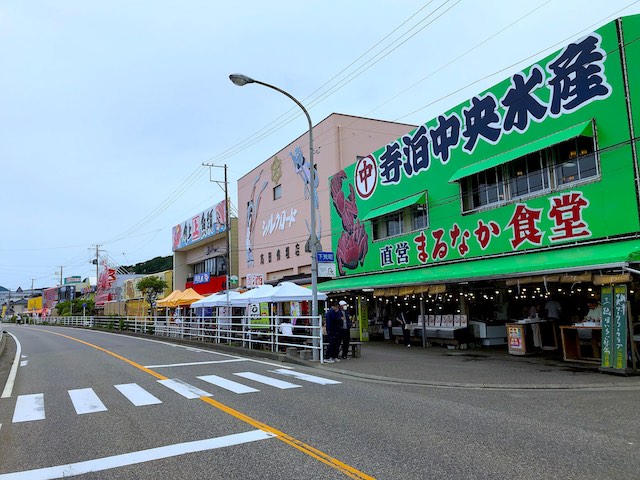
[{"x": 487, "y": 367}]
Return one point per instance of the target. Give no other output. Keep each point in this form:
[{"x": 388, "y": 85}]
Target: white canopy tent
[
  {"x": 247, "y": 297},
  {"x": 286, "y": 292},
  {"x": 216, "y": 300}
]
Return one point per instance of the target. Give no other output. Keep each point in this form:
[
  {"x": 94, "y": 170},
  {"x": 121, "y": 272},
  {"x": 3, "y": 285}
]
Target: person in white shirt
[{"x": 595, "y": 311}]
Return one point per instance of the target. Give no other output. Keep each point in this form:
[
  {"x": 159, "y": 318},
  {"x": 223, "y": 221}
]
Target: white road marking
[
  {"x": 85, "y": 400},
  {"x": 24, "y": 363},
  {"x": 306, "y": 377},
  {"x": 274, "y": 382},
  {"x": 230, "y": 385},
  {"x": 29, "y": 408},
  {"x": 189, "y": 364},
  {"x": 133, "y": 458},
  {"x": 183, "y": 388},
  {"x": 137, "y": 395},
  {"x": 8, "y": 387}
]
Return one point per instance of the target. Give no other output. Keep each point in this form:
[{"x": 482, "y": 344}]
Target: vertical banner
[
  {"x": 620, "y": 327},
  {"x": 363, "y": 319},
  {"x": 606, "y": 300}
]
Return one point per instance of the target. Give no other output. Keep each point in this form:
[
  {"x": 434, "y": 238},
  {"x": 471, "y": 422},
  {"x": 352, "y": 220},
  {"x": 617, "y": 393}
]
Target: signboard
[
  {"x": 255, "y": 279},
  {"x": 515, "y": 339},
  {"x": 459, "y": 158},
  {"x": 200, "y": 278},
  {"x": 606, "y": 300},
  {"x": 73, "y": 279},
  {"x": 325, "y": 256},
  {"x": 259, "y": 315},
  {"x": 326, "y": 269},
  {"x": 203, "y": 225},
  {"x": 620, "y": 327},
  {"x": 363, "y": 319}
]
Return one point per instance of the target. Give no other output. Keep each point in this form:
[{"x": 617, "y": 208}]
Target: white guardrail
[{"x": 271, "y": 333}]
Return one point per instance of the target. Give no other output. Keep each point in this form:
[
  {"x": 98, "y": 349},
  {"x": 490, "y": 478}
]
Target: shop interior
[{"x": 485, "y": 310}]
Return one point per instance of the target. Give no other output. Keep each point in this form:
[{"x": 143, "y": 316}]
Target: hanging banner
[
  {"x": 620, "y": 327},
  {"x": 363, "y": 319},
  {"x": 606, "y": 300}
]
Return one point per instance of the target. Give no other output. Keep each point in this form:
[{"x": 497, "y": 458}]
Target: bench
[{"x": 356, "y": 349}]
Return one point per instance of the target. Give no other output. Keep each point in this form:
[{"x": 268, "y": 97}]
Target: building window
[
  {"x": 388, "y": 225},
  {"x": 419, "y": 219},
  {"x": 572, "y": 161},
  {"x": 528, "y": 175},
  {"x": 575, "y": 160},
  {"x": 277, "y": 192},
  {"x": 216, "y": 266},
  {"x": 483, "y": 189}
]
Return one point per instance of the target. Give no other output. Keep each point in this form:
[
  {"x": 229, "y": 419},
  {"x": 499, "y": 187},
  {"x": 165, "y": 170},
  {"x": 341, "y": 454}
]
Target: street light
[{"x": 242, "y": 80}]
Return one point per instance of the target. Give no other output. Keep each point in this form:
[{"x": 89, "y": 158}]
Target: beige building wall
[{"x": 273, "y": 230}]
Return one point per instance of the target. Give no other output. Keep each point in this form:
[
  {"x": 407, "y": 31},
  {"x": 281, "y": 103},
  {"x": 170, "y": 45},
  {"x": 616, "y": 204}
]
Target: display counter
[
  {"x": 525, "y": 337},
  {"x": 581, "y": 342}
]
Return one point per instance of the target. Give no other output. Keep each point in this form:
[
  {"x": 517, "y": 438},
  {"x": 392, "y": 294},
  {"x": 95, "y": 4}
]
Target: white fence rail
[{"x": 275, "y": 334}]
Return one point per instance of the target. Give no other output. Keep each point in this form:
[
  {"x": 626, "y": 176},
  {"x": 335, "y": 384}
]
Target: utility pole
[
  {"x": 228, "y": 226},
  {"x": 61, "y": 269}
]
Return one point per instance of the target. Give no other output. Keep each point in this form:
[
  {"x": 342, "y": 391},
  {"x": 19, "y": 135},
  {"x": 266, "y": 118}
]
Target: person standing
[
  {"x": 345, "y": 328},
  {"x": 333, "y": 320},
  {"x": 404, "y": 324}
]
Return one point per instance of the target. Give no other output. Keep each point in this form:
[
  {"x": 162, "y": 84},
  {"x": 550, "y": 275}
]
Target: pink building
[{"x": 274, "y": 207}]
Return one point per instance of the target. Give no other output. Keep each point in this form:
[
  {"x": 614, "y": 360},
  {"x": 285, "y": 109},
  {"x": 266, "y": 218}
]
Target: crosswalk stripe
[
  {"x": 183, "y": 388},
  {"x": 306, "y": 377},
  {"x": 137, "y": 395},
  {"x": 274, "y": 382},
  {"x": 230, "y": 385},
  {"x": 85, "y": 401},
  {"x": 29, "y": 408}
]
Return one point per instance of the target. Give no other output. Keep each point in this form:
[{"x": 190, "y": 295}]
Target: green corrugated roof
[
  {"x": 419, "y": 198},
  {"x": 583, "y": 129}
]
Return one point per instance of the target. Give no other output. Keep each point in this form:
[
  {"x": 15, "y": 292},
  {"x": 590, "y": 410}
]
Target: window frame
[
  {"x": 549, "y": 161},
  {"x": 277, "y": 192}
]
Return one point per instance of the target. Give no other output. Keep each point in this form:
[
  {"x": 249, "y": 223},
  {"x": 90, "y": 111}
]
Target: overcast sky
[{"x": 109, "y": 108}]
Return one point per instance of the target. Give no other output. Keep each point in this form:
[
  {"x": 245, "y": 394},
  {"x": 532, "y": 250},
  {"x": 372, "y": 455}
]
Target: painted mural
[
  {"x": 353, "y": 243},
  {"x": 303, "y": 170},
  {"x": 253, "y": 207}
]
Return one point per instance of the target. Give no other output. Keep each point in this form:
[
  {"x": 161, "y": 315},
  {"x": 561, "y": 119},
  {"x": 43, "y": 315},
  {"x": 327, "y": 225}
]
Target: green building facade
[{"x": 534, "y": 176}]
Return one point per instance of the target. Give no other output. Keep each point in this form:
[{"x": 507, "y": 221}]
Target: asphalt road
[{"x": 355, "y": 429}]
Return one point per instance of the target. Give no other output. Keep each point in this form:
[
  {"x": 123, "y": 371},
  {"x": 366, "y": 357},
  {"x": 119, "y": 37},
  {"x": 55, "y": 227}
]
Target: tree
[{"x": 151, "y": 287}]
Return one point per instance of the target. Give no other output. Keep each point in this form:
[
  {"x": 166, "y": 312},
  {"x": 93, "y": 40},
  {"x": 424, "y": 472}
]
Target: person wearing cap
[
  {"x": 333, "y": 321},
  {"x": 345, "y": 328}
]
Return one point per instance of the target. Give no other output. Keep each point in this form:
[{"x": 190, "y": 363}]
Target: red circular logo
[{"x": 366, "y": 177}]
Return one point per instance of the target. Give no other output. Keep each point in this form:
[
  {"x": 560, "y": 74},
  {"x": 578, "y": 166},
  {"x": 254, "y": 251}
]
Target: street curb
[
  {"x": 3, "y": 341},
  {"x": 471, "y": 386}
]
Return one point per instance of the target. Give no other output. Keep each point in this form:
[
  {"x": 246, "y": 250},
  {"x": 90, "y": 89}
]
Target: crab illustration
[
  {"x": 346, "y": 207},
  {"x": 352, "y": 248}
]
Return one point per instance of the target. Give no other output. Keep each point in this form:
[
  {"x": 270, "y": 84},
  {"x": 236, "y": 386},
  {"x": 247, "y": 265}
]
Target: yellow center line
[{"x": 334, "y": 463}]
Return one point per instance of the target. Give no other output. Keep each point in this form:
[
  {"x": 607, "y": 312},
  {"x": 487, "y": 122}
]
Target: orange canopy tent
[
  {"x": 166, "y": 301},
  {"x": 187, "y": 298}
]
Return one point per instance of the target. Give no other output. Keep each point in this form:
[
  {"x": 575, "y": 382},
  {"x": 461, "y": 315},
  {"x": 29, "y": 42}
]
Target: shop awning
[
  {"x": 583, "y": 129},
  {"x": 417, "y": 199},
  {"x": 570, "y": 259}
]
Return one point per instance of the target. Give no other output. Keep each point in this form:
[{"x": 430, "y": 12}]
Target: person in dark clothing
[
  {"x": 403, "y": 319},
  {"x": 333, "y": 320},
  {"x": 345, "y": 328}
]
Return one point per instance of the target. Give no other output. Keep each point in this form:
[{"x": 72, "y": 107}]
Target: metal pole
[
  {"x": 241, "y": 80},
  {"x": 226, "y": 200}
]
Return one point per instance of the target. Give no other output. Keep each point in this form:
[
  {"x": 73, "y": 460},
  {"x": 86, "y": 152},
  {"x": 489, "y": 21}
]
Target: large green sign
[{"x": 575, "y": 92}]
